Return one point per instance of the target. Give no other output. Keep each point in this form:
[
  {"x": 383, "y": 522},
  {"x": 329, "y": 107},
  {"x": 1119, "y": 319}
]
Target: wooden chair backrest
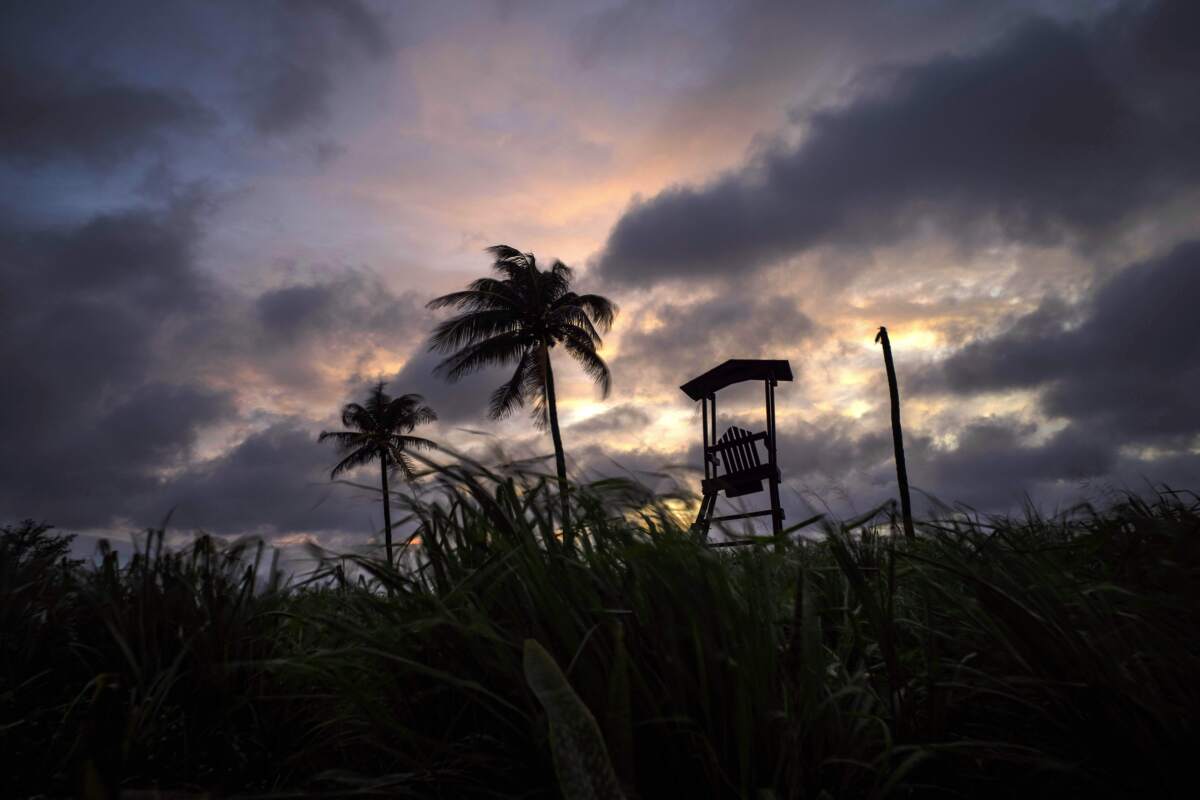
[{"x": 739, "y": 450}]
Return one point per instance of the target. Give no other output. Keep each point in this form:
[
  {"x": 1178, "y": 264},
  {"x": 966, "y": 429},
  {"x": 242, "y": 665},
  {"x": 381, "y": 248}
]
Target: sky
[{"x": 222, "y": 220}]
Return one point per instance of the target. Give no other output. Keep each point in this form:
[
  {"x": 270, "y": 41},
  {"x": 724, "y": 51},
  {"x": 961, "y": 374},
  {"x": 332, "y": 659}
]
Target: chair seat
[{"x": 747, "y": 481}]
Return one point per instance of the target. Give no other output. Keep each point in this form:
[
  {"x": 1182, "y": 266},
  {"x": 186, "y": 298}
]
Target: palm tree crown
[
  {"x": 381, "y": 429},
  {"x": 517, "y": 317}
]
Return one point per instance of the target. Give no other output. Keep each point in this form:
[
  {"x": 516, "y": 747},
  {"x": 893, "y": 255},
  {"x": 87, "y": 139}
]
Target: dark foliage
[{"x": 987, "y": 658}]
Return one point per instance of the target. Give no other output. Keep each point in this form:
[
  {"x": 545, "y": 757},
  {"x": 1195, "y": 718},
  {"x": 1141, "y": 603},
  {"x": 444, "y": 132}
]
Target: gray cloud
[
  {"x": 82, "y": 319},
  {"x": 617, "y": 419},
  {"x": 103, "y": 84},
  {"x": 274, "y": 480},
  {"x": 693, "y": 337},
  {"x": 46, "y": 115},
  {"x": 1056, "y": 129},
  {"x": 1130, "y": 367},
  {"x": 463, "y": 402},
  {"x": 329, "y": 305},
  {"x": 311, "y": 45},
  {"x": 994, "y": 465},
  {"x": 109, "y": 331},
  {"x": 114, "y": 340}
]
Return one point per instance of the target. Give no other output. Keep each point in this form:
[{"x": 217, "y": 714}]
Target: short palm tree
[
  {"x": 517, "y": 318},
  {"x": 381, "y": 430}
]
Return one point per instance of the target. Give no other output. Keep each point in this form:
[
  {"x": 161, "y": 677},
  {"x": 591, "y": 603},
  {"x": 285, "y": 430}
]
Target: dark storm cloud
[
  {"x": 310, "y": 45},
  {"x": 997, "y": 464},
  {"x": 105, "y": 82},
  {"x": 691, "y": 337},
  {"x": 276, "y": 479},
  {"x": 656, "y": 469},
  {"x": 354, "y": 303},
  {"x": 87, "y": 467},
  {"x": 46, "y": 115},
  {"x": 994, "y": 464},
  {"x": 1131, "y": 366},
  {"x": 1053, "y": 130},
  {"x": 82, "y": 314},
  {"x": 464, "y": 402},
  {"x": 82, "y": 304},
  {"x": 108, "y": 329}
]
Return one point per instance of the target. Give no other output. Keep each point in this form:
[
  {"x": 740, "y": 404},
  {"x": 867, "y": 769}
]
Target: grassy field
[{"x": 990, "y": 658}]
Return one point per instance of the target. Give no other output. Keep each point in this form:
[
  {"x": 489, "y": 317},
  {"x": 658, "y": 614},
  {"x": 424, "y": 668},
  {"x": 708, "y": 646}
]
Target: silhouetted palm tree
[
  {"x": 380, "y": 430},
  {"x": 517, "y": 318},
  {"x": 897, "y": 433}
]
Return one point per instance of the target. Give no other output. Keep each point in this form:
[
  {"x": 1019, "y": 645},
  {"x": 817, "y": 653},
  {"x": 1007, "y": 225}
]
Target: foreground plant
[
  {"x": 580, "y": 757},
  {"x": 988, "y": 657}
]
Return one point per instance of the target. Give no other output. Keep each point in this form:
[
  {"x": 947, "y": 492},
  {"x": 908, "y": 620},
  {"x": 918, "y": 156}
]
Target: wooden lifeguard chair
[{"x": 732, "y": 464}]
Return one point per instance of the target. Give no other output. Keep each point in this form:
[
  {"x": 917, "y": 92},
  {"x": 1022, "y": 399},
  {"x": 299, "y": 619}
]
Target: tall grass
[{"x": 989, "y": 657}]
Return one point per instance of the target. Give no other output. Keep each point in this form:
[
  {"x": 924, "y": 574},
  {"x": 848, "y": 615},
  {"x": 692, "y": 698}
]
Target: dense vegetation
[{"x": 989, "y": 657}]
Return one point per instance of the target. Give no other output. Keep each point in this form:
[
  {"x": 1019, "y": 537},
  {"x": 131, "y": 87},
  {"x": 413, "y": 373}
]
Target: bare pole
[{"x": 897, "y": 433}]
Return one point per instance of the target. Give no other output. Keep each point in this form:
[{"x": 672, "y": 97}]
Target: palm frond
[
  {"x": 510, "y": 395},
  {"x": 404, "y": 465},
  {"x": 534, "y": 389},
  {"x": 481, "y": 295},
  {"x": 556, "y": 282},
  {"x": 406, "y": 442},
  {"x": 504, "y": 252},
  {"x": 357, "y": 458},
  {"x": 511, "y": 262},
  {"x": 345, "y": 440},
  {"x": 472, "y": 327},
  {"x": 579, "y": 345},
  {"x": 414, "y": 411},
  {"x": 496, "y": 351},
  {"x": 602, "y": 310},
  {"x": 355, "y": 416},
  {"x": 574, "y": 316},
  {"x": 495, "y": 291}
]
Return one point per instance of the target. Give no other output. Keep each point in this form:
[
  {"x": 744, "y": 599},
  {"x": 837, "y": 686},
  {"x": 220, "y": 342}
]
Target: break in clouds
[{"x": 224, "y": 220}]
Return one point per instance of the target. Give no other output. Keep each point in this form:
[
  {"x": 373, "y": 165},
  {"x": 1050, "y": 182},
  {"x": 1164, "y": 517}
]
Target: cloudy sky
[{"x": 221, "y": 220}]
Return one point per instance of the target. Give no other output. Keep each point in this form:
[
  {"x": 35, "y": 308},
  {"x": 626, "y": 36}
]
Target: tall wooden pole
[{"x": 897, "y": 433}]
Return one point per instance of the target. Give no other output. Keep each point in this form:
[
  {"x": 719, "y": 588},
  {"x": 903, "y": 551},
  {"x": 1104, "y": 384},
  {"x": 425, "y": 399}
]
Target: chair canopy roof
[{"x": 736, "y": 370}]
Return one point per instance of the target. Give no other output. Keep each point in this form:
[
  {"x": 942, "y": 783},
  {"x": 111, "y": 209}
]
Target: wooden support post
[
  {"x": 713, "y": 419},
  {"x": 773, "y": 480}
]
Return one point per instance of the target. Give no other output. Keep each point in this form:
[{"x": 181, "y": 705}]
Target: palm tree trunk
[
  {"x": 560, "y": 459},
  {"x": 387, "y": 509},
  {"x": 897, "y": 433}
]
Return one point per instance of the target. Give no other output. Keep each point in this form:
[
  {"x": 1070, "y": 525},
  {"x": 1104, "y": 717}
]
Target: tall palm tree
[
  {"x": 517, "y": 318},
  {"x": 897, "y": 433},
  {"x": 380, "y": 429}
]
